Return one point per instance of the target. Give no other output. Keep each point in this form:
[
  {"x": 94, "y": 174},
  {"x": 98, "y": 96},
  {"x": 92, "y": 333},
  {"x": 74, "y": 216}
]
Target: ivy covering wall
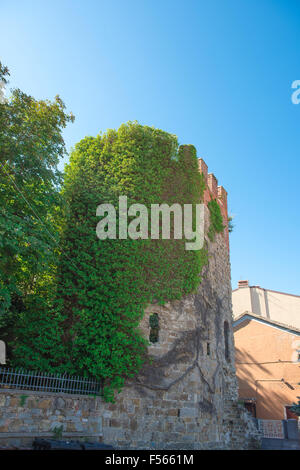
[
  {"x": 104, "y": 285},
  {"x": 100, "y": 288},
  {"x": 216, "y": 219}
]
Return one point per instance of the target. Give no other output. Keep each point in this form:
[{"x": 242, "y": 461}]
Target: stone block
[
  {"x": 59, "y": 403},
  {"x": 188, "y": 412},
  {"x": 44, "y": 404}
]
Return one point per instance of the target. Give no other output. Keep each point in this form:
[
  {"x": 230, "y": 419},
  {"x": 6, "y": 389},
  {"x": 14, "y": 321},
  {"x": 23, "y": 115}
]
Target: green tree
[
  {"x": 230, "y": 224},
  {"x": 31, "y": 145},
  {"x": 296, "y": 407}
]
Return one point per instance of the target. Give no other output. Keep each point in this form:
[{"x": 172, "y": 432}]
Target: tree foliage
[
  {"x": 296, "y": 407},
  {"x": 31, "y": 145}
]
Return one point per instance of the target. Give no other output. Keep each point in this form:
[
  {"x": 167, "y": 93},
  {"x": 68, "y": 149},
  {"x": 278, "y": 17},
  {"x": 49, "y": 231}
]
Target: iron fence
[
  {"x": 48, "y": 382},
  {"x": 271, "y": 428}
]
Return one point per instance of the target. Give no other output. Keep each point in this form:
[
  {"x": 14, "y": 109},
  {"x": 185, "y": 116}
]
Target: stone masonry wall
[
  {"x": 187, "y": 397},
  {"x": 25, "y": 415}
]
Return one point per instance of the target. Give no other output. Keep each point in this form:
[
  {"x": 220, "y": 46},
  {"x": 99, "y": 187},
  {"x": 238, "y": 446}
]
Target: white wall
[{"x": 277, "y": 306}]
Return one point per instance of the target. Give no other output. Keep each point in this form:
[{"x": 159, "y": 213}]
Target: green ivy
[
  {"x": 105, "y": 285},
  {"x": 23, "y": 399},
  {"x": 57, "y": 432},
  {"x": 216, "y": 219}
]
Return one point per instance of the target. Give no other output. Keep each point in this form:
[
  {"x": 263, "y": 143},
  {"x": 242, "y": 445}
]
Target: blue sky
[{"x": 217, "y": 74}]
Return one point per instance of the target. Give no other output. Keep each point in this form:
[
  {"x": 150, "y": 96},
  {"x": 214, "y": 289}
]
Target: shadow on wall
[{"x": 256, "y": 381}]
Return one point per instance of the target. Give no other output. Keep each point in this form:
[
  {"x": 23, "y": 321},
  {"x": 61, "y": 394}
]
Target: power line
[
  {"x": 36, "y": 214},
  {"x": 270, "y": 362},
  {"x": 28, "y": 203}
]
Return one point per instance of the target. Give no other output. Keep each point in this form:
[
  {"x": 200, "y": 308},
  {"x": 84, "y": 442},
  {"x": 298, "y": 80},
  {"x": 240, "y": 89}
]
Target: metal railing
[
  {"x": 48, "y": 382},
  {"x": 271, "y": 428}
]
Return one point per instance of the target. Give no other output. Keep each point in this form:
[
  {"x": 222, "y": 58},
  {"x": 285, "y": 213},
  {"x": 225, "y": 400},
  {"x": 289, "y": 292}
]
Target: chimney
[{"x": 243, "y": 284}]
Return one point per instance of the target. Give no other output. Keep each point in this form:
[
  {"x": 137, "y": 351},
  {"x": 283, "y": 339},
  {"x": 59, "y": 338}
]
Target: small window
[
  {"x": 226, "y": 340},
  {"x": 154, "y": 328},
  {"x": 208, "y": 341}
]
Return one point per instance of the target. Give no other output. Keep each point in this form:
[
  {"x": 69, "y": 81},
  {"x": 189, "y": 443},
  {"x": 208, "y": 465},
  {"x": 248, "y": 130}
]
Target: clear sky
[{"x": 216, "y": 73}]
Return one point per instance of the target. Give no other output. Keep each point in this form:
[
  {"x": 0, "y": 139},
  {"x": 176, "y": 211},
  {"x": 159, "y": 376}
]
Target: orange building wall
[{"x": 265, "y": 367}]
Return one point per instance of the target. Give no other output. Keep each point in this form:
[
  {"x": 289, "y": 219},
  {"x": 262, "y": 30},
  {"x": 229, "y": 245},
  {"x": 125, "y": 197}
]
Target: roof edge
[
  {"x": 269, "y": 290},
  {"x": 264, "y": 320}
]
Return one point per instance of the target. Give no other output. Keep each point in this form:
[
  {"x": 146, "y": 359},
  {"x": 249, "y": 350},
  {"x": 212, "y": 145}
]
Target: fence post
[
  {"x": 292, "y": 429},
  {"x": 285, "y": 429}
]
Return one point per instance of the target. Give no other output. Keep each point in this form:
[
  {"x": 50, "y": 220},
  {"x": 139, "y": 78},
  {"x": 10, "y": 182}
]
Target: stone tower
[{"x": 187, "y": 398}]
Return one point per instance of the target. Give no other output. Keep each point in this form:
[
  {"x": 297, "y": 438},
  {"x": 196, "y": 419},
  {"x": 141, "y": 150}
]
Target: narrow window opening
[
  {"x": 208, "y": 341},
  {"x": 226, "y": 340},
  {"x": 154, "y": 328}
]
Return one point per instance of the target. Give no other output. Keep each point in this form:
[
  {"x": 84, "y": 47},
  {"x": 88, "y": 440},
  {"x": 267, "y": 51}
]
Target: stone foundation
[{"x": 25, "y": 415}]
